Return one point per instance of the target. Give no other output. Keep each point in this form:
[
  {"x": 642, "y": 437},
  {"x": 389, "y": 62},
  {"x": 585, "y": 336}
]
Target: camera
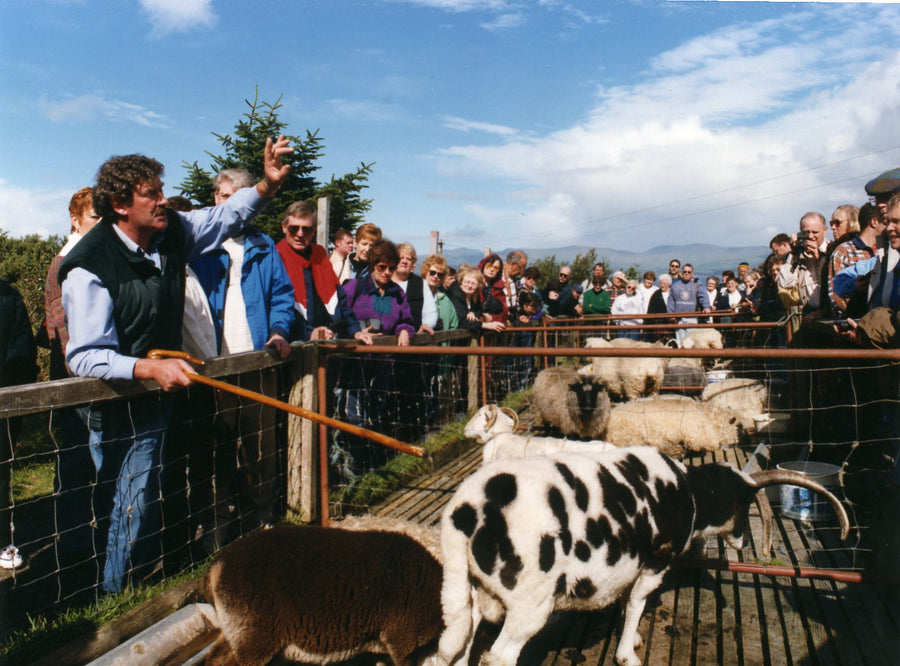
[{"x": 802, "y": 237}]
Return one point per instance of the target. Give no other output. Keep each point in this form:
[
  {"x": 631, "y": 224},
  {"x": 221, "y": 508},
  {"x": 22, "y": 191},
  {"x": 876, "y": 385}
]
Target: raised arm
[{"x": 275, "y": 171}]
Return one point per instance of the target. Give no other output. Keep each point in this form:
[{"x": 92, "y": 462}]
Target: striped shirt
[{"x": 844, "y": 255}]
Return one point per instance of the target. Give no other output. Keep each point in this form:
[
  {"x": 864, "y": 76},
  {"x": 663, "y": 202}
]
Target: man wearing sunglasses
[
  {"x": 685, "y": 297},
  {"x": 320, "y": 301}
]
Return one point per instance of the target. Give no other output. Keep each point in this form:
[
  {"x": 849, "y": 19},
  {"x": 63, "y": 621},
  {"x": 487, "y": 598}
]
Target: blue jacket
[{"x": 268, "y": 293}]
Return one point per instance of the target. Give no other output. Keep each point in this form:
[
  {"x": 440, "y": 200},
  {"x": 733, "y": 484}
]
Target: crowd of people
[{"x": 141, "y": 272}]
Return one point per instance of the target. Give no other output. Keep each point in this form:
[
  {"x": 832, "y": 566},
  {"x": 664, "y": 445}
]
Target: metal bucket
[{"x": 803, "y": 503}]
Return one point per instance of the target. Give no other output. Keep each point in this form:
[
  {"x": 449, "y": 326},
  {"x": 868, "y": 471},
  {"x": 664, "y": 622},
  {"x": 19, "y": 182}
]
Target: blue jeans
[{"x": 127, "y": 453}]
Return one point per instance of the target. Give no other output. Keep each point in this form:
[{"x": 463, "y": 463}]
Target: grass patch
[
  {"x": 33, "y": 480},
  {"x": 35, "y": 435},
  {"x": 34, "y": 463},
  {"x": 48, "y": 632}
]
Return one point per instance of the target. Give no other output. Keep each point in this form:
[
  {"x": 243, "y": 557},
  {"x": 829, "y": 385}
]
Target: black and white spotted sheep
[{"x": 576, "y": 531}]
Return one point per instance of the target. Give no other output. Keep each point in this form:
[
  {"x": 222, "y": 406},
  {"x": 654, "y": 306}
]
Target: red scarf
[{"x": 324, "y": 279}]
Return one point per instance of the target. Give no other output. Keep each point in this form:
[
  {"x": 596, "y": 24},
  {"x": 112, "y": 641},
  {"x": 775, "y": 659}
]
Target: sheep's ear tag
[{"x": 511, "y": 413}]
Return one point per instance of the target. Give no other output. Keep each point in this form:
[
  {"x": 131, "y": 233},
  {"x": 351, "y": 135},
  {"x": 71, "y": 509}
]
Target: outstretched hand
[{"x": 275, "y": 171}]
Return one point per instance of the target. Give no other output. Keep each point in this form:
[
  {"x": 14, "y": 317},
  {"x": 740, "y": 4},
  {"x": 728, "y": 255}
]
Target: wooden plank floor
[{"x": 711, "y": 617}]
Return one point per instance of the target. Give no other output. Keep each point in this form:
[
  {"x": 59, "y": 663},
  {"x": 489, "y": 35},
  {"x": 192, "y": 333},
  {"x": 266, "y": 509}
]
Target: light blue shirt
[
  {"x": 844, "y": 284},
  {"x": 93, "y": 341}
]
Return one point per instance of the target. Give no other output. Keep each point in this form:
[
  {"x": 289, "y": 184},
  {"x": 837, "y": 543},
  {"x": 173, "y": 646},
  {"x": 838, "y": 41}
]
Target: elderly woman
[
  {"x": 659, "y": 304},
  {"x": 377, "y": 301},
  {"x": 629, "y": 303},
  {"x": 844, "y": 223},
  {"x": 435, "y": 370},
  {"x": 421, "y": 300},
  {"x": 467, "y": 296},
  {"x": 365, "y": 383},
  {"x": 617, "y": 286},
  {"x": 434, "y": 271}
]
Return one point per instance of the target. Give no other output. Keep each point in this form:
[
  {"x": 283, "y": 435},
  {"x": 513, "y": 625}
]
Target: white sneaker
[{"x": 10, "y": 558}]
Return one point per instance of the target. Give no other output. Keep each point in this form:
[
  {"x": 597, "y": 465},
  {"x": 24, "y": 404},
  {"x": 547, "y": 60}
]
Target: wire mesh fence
[{"x": 227, "y": 465}]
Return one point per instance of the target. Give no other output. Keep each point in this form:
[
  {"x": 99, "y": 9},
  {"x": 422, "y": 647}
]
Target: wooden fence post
[
  {"x": 302, "y": 441},
  {"x": 323, "y": 214},
  {"x": 473, "y": 376}
]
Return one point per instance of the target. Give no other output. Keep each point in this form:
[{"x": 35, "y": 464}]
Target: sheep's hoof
[{"x": 628, "y": 659}]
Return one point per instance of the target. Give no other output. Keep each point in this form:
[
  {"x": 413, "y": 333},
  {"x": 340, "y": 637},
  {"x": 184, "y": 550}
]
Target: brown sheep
[{"x": 321, "y": 595}]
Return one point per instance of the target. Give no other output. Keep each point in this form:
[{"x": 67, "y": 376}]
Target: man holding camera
[{"x": 803, "y": 270}]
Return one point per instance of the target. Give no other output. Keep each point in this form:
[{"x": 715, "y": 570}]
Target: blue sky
[{"x": 621, "y": 124}]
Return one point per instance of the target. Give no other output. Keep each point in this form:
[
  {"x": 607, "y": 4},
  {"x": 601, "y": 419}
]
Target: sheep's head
[
  {"x": 491, "y": 420},
  {"x": 723, "y": 495},
  {"x": 588, "y": 405}
]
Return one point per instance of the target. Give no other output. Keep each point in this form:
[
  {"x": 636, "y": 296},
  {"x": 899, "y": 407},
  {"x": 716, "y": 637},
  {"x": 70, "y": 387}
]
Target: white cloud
[
  {"x": 459, "y": 5},
  {"x": 42, "y": 212},
  {"x": 724, "y": 138},
  {"x": 168, "y": 16},
  {"x": 93, "y": 107},
  {"x": 504, "y": 22},
  {"x": 463, "y": 125}
]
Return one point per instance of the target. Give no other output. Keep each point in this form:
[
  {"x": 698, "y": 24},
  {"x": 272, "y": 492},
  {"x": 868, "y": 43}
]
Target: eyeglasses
[
  {"x": 434, "y": 273},
  {"x": 674, "y": 265},
  {"x": 687, "y": 271},
  {"x": 292, "y": 229},
  {"x": 384, "y": 268},
  {"x": 564, "y": 275}
]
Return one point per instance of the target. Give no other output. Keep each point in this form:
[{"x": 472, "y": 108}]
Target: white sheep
[
  {"x": 676, "y": 425},
  {"x": 625, "y": 378},
  {"x": 702, "y": 338},
  {"x": 574, "y": 404},
  {"x": 495, "y": 427},
  {"x": 743, "y": 397},
  {"x": 577, "y": 531},
  {"x": 322, "y": 595}
]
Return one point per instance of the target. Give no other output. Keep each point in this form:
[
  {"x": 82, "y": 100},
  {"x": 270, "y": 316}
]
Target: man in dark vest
[{"x": 123, "y": 293}]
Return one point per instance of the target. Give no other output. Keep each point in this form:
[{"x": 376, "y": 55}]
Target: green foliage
[
  {"x": 581, "y": 267},
  {"x": 24, "y": 263},
  {"x": 243, "y": 150},
  {"x": 549, "y": 268},
  {"x": 47, "y": 633},
  {"x": 347, "y": 205}
]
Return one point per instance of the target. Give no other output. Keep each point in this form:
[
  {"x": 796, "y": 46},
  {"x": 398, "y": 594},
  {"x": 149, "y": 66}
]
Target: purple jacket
[{"x": 392, "y": 308}]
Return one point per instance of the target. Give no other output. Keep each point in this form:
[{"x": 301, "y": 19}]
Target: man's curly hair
[{"x": 117, "y": 179}]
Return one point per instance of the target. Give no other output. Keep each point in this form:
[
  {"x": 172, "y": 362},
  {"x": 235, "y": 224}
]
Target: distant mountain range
[{"x": 707, "y": 259}]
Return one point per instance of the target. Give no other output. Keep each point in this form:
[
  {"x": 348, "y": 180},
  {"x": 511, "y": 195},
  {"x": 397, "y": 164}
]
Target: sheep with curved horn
[{"x": 576, "y": 531}]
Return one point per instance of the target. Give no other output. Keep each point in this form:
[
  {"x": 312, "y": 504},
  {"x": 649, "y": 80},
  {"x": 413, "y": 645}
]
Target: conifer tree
[{"x": 243, "y": 150}]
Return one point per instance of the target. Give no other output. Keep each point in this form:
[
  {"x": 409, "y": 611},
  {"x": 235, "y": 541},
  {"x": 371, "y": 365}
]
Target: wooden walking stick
[{"x": 376, "y": 437}]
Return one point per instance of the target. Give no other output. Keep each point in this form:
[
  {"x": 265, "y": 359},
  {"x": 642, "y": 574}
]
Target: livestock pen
[{"x": 427, "y": 391}]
